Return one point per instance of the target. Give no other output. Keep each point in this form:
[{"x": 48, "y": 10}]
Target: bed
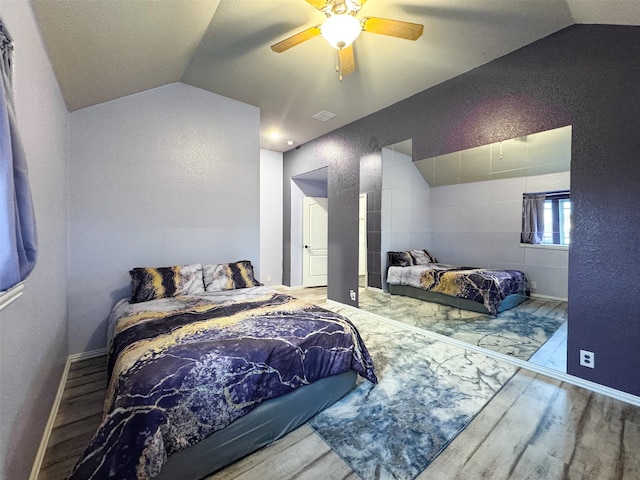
[
  {"x": 206, "y": 366},
  {"x": 417, "y": 274}
]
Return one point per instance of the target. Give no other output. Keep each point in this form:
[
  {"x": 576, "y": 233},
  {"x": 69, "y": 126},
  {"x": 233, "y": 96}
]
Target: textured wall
[
  {"x": 165, "y": 177},
  {"x": 371, "y": 184},
  {"x": 33, "y": 329},
  {"x": 270, "y": 217},
  {"x": 585, "y": 76}
]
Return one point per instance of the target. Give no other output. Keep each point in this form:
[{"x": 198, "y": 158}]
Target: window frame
[
  {"x": 7, "y": 297},
  {"x": 555, "y": 199}
]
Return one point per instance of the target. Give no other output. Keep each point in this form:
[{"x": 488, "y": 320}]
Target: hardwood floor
[
  {"x": 534, "y": 428},
  {"x": 78, "y": 417},
  {"x": 539, "y": 428},
  {"x": 301, "y": 455},
  {"x": 553, "y": 353}
]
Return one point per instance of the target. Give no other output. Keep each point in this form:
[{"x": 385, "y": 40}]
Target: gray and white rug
[
  {"x": 518, "y": 332},
  {"x": 428, "y": 392}
]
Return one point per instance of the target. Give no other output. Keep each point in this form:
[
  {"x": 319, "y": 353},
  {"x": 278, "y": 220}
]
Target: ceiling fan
[{"x": 341, "y": 28}]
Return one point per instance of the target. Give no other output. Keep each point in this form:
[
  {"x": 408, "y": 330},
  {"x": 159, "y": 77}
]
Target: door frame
[
  {"x": 309, "y": 253},
  {"x": 309, "y": 184}
]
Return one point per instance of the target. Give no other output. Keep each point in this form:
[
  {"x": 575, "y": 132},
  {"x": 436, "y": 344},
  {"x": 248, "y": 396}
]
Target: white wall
[
  {"x": 405, "y": 207},
  {"x": 164, "y": 177},
  {"x": 479, "y": 224},
  {"x": 270, "y": 217},
  {"x": 33, "y": 329}
]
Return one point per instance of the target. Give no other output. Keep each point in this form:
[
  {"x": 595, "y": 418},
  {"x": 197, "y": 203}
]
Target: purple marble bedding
[
  {"x": 184, "y": 367},
  {"x": 484, "y": 286}
]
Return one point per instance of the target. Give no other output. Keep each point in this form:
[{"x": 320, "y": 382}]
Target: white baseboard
[
  {"x": 37, "y": 464},
  {"x": 548, "y": 297},
  {"x": 376, "y": 289},
  {"x": 74, "y": 357}
]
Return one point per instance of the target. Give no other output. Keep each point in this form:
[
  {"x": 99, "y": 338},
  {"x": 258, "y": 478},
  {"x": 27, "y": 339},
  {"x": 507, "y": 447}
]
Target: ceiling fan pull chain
[{"x": 339, "y": 66}]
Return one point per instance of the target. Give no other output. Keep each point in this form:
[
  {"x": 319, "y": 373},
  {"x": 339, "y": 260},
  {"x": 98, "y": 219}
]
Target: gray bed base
[
  {"x": 269, "y": 421},
  {"x": 509, "y": 302}
]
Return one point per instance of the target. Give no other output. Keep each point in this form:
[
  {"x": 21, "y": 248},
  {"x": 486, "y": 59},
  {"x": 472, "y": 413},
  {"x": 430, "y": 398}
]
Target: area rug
[
  {"x": 518, "y": 332},
  {"x": 428, "y": 392}
]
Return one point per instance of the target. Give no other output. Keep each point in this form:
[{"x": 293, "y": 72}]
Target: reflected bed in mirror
[{"x": 466, "y": 209}]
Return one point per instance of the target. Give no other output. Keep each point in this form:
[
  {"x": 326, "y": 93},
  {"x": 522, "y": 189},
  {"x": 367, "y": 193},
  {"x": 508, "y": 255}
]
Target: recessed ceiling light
[
  {"x": 324, "y": 115},
  {"x": 275, "y": 135},
  {"x": 290, "y": 142}
]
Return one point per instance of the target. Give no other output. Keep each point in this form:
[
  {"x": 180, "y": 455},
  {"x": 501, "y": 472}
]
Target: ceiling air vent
[{"x": 324, "y": 115}]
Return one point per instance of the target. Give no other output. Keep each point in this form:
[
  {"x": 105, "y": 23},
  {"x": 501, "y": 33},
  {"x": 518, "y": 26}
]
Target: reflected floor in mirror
[{"x": 535, "y": 330}]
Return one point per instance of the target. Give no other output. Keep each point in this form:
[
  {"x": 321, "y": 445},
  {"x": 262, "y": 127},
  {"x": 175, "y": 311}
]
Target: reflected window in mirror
[{"x": 546, "y": 218}]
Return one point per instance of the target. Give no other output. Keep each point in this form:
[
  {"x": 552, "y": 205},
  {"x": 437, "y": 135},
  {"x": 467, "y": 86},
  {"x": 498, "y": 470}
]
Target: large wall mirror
[{"x": 466, "y": 209}]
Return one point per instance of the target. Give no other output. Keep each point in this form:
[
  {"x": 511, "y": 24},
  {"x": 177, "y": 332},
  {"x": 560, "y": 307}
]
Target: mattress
[
  {"x": 507, "y": 303},
  {"x": 268, "y": 422}
]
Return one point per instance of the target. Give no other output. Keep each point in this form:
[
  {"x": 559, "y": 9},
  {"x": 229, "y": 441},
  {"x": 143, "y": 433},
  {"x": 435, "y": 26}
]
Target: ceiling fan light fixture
[{"x": 340, "y": 30}]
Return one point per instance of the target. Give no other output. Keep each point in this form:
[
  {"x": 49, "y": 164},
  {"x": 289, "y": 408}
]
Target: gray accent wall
[
  {"x": 343, "y": 186},
  {"x": 585, "y": 76},
  {"x": 33, "y": 329},
  {"x": 165, "y": 177},
  {"x": 371, "y": 185}
]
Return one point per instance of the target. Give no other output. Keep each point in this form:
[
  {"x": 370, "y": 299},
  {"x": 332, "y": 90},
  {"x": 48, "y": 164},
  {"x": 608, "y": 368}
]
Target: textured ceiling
[{"x": 106, "y": 49}]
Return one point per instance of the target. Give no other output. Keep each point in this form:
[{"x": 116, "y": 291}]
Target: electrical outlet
[
  {"x": 352, "y": 295},
  {"x": 534, "y": 285},
  {"x": 587, "y": 359},
  {"x": 268, "y": 278}
]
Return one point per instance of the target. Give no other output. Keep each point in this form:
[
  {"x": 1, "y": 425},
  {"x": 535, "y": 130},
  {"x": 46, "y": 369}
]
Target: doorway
[
  {"x": 316, "y": 241},
  {"x": 313, "y": 184}
]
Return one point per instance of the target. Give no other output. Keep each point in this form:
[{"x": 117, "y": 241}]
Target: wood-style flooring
[
  {"x": 534, "y": 428},
  {"x": 78, "y": 417}
]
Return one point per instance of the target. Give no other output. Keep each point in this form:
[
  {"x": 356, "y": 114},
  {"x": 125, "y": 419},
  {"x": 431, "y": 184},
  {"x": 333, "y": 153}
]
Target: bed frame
[
  {"x": 266, "y": 423},
  {"x": 509, "y": 302}
]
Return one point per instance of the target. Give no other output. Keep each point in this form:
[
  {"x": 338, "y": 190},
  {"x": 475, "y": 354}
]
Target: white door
[{"x": 316, "y": 242}]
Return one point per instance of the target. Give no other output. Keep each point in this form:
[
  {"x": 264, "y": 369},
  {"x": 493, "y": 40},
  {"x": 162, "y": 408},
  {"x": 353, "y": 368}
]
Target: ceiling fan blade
[
  {"x": 347, "y": 60},
  {"x": 393, "y": 28},
  {"x": 319, "y": 4},
  {"x": 296, "y": 39}
]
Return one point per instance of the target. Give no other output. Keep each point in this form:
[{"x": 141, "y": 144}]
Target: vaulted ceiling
[{"x": 102, "y": 50}]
